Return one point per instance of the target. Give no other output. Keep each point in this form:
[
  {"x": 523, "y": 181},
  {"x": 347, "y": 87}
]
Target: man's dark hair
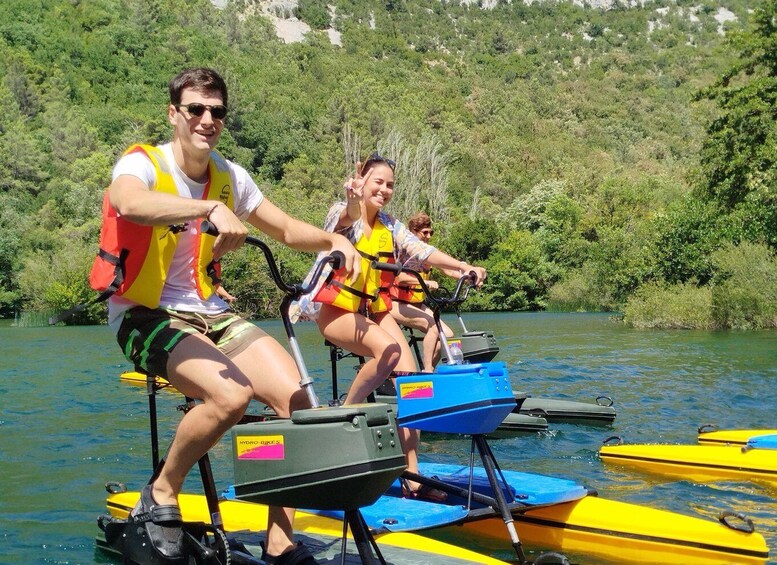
[{"x": 201, "y": 79}]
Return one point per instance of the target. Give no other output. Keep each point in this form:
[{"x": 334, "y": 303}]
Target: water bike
[
  {"x": 324, "y": 458},
  {"x": 547, "y": 512},
  {"x": 513, "y": 422},
  {"x": 530, "y": 414},
  {"x": 557, "y": 515},
  {"x": 721, "y": 455}
]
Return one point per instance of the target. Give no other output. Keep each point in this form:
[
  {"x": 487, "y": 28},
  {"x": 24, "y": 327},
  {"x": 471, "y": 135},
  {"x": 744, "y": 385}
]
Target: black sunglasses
[
  {"x": 219, "y": 111},
  {"x": 376, "y": 158}
]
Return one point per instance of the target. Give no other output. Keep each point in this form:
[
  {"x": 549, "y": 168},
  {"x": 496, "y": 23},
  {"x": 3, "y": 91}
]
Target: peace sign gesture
[{"x": 354, "y": 186}]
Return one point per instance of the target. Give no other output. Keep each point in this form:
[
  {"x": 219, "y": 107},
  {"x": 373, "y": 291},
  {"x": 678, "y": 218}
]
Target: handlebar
[
  {"x": 336, "y": 259},
  {"x": 291, "y": 293},
  {"x": 437, "y": 301}
]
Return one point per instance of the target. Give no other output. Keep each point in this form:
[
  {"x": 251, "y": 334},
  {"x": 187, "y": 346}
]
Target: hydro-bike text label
[
  {"x": 262, "y": 448},
  {"x": 422, "y": 389}
]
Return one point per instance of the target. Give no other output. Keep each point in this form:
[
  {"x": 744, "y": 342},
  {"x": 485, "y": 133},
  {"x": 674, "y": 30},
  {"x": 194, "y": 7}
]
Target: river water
[{"x": 68, "y": 424}]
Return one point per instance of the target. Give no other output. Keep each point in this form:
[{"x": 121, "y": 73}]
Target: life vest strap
[
  {"x": 118, "y": 272},
  {"x": 371, "y": 257},
  {"x": 109, "y": 257},
  {"x": 353, "y": 291}
]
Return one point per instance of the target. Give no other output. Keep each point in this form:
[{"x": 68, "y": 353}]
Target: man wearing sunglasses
[{"x": 169, "y": 319}]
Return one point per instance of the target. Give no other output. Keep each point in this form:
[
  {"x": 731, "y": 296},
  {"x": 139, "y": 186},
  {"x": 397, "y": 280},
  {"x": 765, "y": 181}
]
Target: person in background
[
  {"x": 166, "y": 311},
  {"x": 407, "y": 297},
  {"x": 355, "y": 312}
]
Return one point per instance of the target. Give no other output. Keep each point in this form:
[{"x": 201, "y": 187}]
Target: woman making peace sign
[{"x": 356, "y": 314}]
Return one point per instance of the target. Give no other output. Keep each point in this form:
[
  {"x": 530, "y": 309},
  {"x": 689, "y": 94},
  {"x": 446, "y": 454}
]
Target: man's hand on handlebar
[
  {"x": 231, "y": 231},
  {"x": 353, "y": 266}
]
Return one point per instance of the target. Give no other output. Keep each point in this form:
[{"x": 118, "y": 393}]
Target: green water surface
[{"x": 68, "y": 424}]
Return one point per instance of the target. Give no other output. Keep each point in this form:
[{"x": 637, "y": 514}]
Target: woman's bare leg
[
  {"x": 409, "y": 437},
  {"x": 420, "y": 317},
  {"x": 364, "y": 337},
  {"x": 432, "y": 347}
]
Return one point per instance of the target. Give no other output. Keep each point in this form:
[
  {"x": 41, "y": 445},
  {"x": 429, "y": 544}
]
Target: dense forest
[{"x": 618, "y": 159}]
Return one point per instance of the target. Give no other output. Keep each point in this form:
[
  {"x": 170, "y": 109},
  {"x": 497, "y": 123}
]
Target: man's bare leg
[
  {"x": 275, "y": 381},
  {"x": 199, "y": 370}
]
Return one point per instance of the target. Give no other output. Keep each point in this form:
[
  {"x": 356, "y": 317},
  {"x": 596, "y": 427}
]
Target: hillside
[
  {"x": 291, "y": 29},
  {"x": 565, "y": 138}
]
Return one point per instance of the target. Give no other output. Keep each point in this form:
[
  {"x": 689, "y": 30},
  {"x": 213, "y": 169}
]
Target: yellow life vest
[
  {"x": 369, "y": 292},
  {"x": 134, "y": 259},
  {"x": 408, "y": 292}
]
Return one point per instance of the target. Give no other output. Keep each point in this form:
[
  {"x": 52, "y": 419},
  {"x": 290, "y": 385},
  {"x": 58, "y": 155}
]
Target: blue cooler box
[{"x": 457, "y": 399}]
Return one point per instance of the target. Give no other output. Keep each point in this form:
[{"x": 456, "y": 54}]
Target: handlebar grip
[
  {"x": 208, "y": 227},
  {"x": 338, "y": 259},
  {"x": 393, "y": 267}
]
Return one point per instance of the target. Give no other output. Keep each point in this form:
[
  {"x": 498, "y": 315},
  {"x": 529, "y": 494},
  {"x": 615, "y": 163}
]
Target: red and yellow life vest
[
  {"x": 408, "y": 292},
  {"x": 134, "y": 259},
  {"x": 370, "y": 290}
]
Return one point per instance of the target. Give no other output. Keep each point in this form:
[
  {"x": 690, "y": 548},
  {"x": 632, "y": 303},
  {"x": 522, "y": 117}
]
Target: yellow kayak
[
  {"x": 731, "y": 437},
  {"x": 699, "y": 463},
  {"x": 591, "y": 526},
  {"x": 401, "y": 548},
  {"x": 626, "y": 533}
]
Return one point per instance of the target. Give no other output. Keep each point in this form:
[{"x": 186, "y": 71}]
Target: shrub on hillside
[
  {"x": 745, "y": 292},
  {"x": 55, "y": 283},
  {"x": 576, "y": 293},
  {"x": 657, "y": 305},
  {"x": 518, "y": 274}
]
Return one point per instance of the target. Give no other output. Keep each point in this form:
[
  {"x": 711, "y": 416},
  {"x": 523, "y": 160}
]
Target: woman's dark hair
[
  {"x": 374, "y": 159},
  {"x": 419, "y": 221},
  {"x": 201, "y": 79}
]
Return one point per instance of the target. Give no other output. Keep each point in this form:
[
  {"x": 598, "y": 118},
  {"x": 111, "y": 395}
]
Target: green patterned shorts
[{"x": 148, "y": 336}]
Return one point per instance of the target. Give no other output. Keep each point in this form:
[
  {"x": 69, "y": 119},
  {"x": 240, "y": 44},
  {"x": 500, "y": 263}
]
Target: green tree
[
  {"x": 519, "y": 276},
  {"x": 473, "y": 240},
  {"x": 739, "y": 157},
  {"x": 315, "y": 13},
  {"x": 13, "y": 225},
  {"x": 684, "y": 239}
]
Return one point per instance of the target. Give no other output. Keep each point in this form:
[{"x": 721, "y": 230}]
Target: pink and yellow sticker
[
  {"x": 263, "y": 448},
  {"x": 422, "y": 389}
]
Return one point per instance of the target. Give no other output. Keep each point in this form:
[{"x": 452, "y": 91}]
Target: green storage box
[
  {"x": 328, "y": 458},
  {"x": 477, "y": 347}
]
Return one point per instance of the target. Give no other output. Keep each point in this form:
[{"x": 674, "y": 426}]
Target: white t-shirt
[{"x": 179, "y": 292}]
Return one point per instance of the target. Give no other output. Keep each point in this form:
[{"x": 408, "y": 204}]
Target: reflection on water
[{"x": 68, "y": 424}]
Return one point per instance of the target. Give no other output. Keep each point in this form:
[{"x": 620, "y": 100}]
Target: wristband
[{"x": 207, "y": 216}]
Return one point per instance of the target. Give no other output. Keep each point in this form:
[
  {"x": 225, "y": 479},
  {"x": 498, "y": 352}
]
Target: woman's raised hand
[{"x": 354, "y": 186}]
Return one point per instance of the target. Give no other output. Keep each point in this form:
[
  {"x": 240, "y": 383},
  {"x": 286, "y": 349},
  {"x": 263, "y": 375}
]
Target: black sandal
[
  {"x": 300, "y": 555},
  {"x": 161, "y": 526},
  {"x": 423, "y": 492}
]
